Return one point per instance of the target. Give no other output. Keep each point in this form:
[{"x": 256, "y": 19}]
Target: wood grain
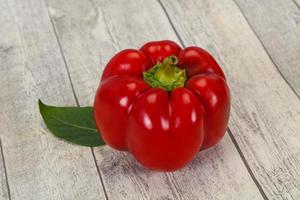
[
  {"x": 87, "y": 29},
  {"x": 277, "y": 24},
  {"x": 39, "y": 166},
  {"x": 4, "y": 190},
  {"x": 265, "y": 117}
]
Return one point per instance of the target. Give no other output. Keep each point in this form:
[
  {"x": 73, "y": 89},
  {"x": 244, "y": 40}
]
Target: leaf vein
[{"x": 74, "y": 125}]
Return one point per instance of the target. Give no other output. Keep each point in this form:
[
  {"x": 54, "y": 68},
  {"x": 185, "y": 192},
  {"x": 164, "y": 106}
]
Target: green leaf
[{"x": 73, "y": 124}]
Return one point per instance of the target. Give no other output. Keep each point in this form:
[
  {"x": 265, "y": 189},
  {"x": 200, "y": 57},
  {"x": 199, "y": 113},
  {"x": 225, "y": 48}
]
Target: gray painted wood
[
  {"x": 4, "y": 194},
  {"x": 265, "y": 117},
  {"x": 90, "y": 32},
  {"x": 39, "y": 166},
  {"x": 277, "y": 23}
]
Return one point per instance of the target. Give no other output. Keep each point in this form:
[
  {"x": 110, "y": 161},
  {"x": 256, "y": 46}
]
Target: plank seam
[
  {"x": 247, "y": 165},
  {"x": 265, "y": 49},
  {"x": 74, "y": 93},
  {"x": 295, "y": 2},
  {"x": 171, "y": 23},
  {"x": 5, "y": 170},
  {"x": 99, "y": 173},
  {"x": 63, "y": 56},
  {"x": 229, "y": 131}
]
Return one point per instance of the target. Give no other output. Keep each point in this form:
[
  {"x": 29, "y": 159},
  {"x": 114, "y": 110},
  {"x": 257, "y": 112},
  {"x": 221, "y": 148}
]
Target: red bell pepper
[{"x": 162, "y": 103}]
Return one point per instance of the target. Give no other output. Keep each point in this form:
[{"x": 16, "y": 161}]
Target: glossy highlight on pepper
[{"x": 162, "y": 103}]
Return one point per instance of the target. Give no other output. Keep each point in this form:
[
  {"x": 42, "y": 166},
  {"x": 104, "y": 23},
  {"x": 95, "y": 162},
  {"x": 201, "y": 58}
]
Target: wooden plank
[
  {"x": 265, "y": 117},
  {"x": 39, "y": 166},
  {"x": 87, "y": 29},
  {"x": 297, "y": 2},
  {"x": 277, "y": 24},
  {"x": 4, "y": 190}
]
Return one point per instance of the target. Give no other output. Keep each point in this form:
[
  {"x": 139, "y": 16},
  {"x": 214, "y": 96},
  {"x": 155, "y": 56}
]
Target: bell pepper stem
[{"x": 166, "y": 75}]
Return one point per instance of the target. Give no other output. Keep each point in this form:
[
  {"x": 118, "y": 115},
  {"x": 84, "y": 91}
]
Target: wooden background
[{"x": 56, "y": 49}]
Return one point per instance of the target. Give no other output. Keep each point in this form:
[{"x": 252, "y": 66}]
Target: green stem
[{"x": 166, "y": 75}]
